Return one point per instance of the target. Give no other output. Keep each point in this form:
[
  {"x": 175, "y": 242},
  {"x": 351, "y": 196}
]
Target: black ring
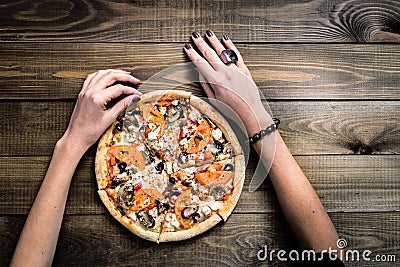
[{"x": 228, "y": 56}]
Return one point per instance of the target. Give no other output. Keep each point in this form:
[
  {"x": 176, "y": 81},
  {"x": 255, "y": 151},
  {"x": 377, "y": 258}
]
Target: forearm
[
  {"x": 38, "y": 239},
  {"x": 299, "y": 201}
]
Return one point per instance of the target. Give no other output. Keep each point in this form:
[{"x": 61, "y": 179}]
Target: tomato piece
[
  {"x": 208, "y": 155},
  {"x": 137, "y": 187},
  {"x": 128, "y": 154},
  {"x": 112, "y": 193},
  {"x": 164, "y": 103},
  {"x": 183, "y": 200},
  {"x": 196, "y": 144},
  {"x": 203, "y": 177},
  {"x": 182, "y": 134},
  {"x": 213, "y": 177},
  {"x": 152, "y": 115},
  {"x": 145, "y": 199}
]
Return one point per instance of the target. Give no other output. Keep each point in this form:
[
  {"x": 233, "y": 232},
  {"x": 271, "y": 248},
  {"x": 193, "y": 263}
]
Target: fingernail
[
  {"x": 127, "y": 71},
  {"x": 188, "y": 46},
  {"x": 195, "y": 35},
  {"x": 225, "y": 37},
  {"x": 209, "y": 33}
]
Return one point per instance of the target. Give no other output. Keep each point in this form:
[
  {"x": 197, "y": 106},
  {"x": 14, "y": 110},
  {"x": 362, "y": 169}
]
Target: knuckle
[
  {"x": 91, "y": 75},
  {"x": 95, "y": 99},
  {"x": 208, "y": 53}
]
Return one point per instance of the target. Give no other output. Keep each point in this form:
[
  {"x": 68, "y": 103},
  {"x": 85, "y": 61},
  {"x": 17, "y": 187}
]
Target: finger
[
  {"x": 116, "y": 91},
  {"x": 103, "y": 73},
  {"x": 209, "y": 54},
  {"x": 120, "y": 106},
  {"x": 110, "y": 78},
  {"x": 206, "y": 86},
  {"x": 215, "y": 43},
  {"x": 229, "y": 44},
  {"x": 202, "y": 65},
  {"x": 87, "y": 81}
]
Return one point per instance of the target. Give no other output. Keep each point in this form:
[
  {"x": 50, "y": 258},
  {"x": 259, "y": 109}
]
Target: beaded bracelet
[{"x": 265, "y": 132}]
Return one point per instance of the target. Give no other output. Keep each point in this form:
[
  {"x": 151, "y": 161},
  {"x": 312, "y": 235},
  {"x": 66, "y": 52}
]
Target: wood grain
[
  {"x": 345, "y": 183},
  {"x": 173, "y": 21},
  {"x": 334, "y": 71},
  {"x": 308, "y": 127},
  {"x": 90, "y": 240}
]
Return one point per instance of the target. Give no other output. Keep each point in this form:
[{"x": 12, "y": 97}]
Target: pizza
[{"x": 170, "y": 167}]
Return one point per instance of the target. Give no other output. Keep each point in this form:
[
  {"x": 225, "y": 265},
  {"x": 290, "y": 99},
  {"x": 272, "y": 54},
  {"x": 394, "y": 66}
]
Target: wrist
[
  {"x": 68, "y": 146},
  {"x": 256, "y": 120}
]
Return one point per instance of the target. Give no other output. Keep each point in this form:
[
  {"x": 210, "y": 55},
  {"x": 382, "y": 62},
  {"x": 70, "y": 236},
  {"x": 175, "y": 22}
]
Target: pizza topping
[
  {"x": 200, "y": 138},
  {"x": 174, "y": 113},
  {"x": 229, "y": 168},
  {"x": 122, "y": 167},
  {"x": 119, "y": 179},
  {"x": 196, "y": 217},
  {"x": 128, "y": 154},
  {"x": 219, "y": 145},
  {"x": 125, "y": 195},
  {"x": 188, "y": 211},
  {"x": 228, "y": 149},
  {"x": 118, "y": 127},
  {"x": 206, "y": 211},
  {"x": 146, "y": 219},
  {"x": 183, "y": 157},
  {"x": 216, "y": 134},
  {"x": 160, "y": 166},
  {"x": 218, "y": 191},
  {"x": 215, "y": 205}
]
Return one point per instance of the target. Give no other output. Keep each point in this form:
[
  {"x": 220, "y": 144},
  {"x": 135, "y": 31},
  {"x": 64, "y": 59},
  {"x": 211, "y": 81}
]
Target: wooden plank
[
  {"x": 284, "y": 71},
  {"x": 173, "y": 21},
  {"x": 91, "y": 240},
  {"x": 308, "y": 127},
  {"x": 345, "y": 183}
]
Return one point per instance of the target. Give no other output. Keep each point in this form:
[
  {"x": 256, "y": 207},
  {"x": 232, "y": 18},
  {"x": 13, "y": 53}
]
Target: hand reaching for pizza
[
  {"x": 92, "y": 116},
  {"x": 229, "y": 82}
]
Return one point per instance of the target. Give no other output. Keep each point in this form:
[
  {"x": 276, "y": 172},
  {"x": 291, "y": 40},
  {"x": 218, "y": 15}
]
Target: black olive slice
[
  {"x": 188, "y": 211},
  {"x": 229, "y": 168}
]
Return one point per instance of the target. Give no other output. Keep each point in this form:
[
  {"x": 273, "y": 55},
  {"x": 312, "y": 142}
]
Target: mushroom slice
[
  {"x": 174, "y": 113},
  {"x": 146, "y": 219},
  {"x": 218, "y": 191},
  {"x": 125, "y": 195},
  {"x": 228, "y": 149},
  {"x": 188, "y": 211}
]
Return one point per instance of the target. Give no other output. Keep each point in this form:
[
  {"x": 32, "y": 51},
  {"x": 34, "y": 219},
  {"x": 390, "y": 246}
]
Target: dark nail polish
[
  {"x": 225, "y": 37},
  {"x": 209, "y": 33},
  {"x": 188, "y": 46},
  {"x": 195, "y": 35}
]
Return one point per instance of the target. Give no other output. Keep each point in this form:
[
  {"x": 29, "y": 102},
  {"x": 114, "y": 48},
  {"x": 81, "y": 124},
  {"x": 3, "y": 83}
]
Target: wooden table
[{"x": 335, "y": 89}]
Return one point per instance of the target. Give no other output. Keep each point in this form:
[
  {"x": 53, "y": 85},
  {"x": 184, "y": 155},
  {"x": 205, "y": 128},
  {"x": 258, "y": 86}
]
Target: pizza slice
[
  {"x": 201, "y": 197},
  {"x": 201, "y": 141}
]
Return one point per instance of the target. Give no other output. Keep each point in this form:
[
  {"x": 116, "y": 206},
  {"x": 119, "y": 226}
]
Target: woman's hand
[
  {"x": 231, "y": 83},
  {"x": 90, "y": 117}
]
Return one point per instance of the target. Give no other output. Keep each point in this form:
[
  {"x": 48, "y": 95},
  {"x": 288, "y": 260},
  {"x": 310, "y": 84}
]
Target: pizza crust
[
  {"x": 188, "y": 233},
  {"x": 101, "y": 158},
  {"x": 238, "y": 181},
  {"x": 164, "y": 95}
]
